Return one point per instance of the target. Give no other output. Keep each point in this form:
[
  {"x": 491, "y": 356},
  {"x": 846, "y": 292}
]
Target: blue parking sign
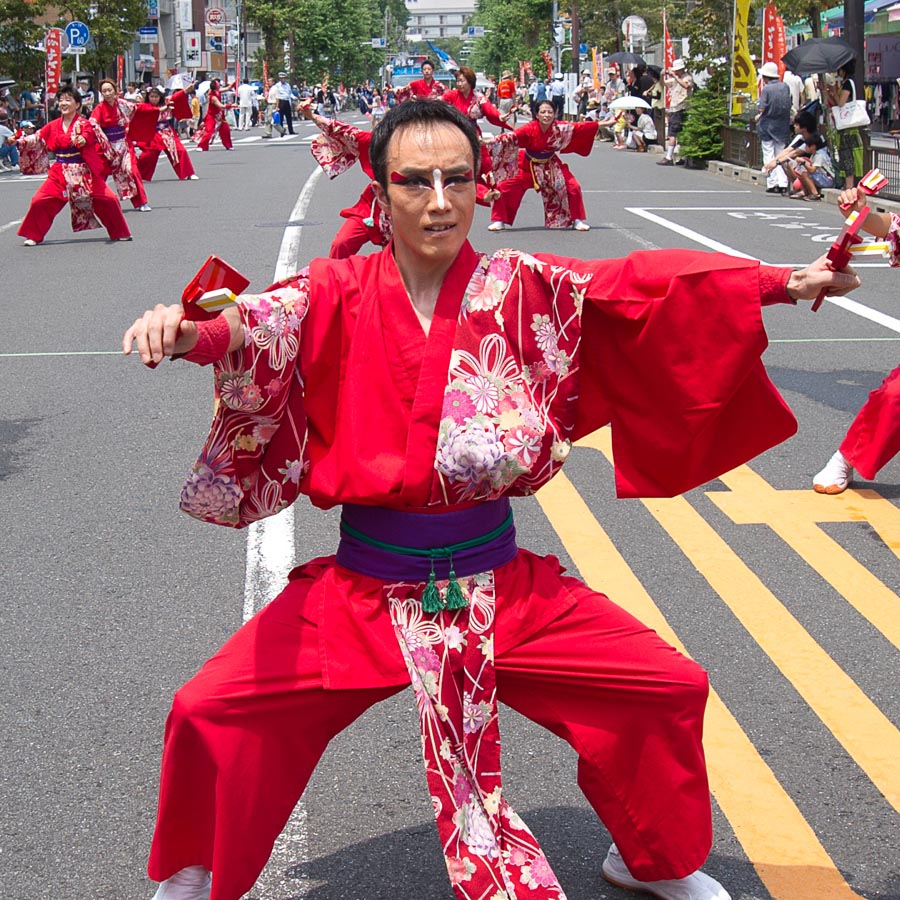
[{"x": 78, "y": 34}]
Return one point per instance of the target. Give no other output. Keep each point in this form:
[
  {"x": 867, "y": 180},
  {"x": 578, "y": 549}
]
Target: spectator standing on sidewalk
[
  {"x": 285, "y": 103},
  {"x": 773, "y": 124},
  {"x": 245, "y": 103},
  {"x": 679, "y": 86},
  {"x": 271, "y": 109}
]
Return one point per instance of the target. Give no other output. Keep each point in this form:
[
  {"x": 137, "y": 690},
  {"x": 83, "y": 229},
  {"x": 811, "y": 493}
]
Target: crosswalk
[{"x": 782, "y": 846}]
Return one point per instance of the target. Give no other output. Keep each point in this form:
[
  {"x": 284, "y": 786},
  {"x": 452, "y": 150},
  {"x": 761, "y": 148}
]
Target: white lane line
[
  {"x": 851, "y": 306},
  {"x": 271, "y": 549},
  {"x": 64, "y": 353},
  {"x": 10, "y": 225},
  {"x": 878, "y": 340},
  {"x": 639, "y": 191}
]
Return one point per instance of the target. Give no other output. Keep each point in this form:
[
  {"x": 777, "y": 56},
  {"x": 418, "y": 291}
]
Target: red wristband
[{"x": 213, "y": 340}]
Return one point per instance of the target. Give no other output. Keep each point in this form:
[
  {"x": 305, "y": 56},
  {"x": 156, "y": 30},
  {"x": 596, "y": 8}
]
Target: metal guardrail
[{"x": 887, "y": 159}]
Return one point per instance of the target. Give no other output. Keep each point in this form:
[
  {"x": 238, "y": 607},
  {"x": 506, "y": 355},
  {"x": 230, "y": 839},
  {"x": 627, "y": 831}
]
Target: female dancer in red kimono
[
  {"x": 215, "y": 120},
  {"x": 425, "y": 88},
  {"x": 537, "y": 165},
  {"x": 336, "y": 149},
  {"x": 473, "y": 105},
  {"x": 421, "y": 387},
  {"x": 77, "y": 176},
  {"x": 113, "y": 114},
  {"x": 873, "y": 439},
  {"x": 164, "y": 141}
]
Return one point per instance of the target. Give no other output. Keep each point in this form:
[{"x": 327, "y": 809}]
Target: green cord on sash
[{"x": 431, "y": 596}]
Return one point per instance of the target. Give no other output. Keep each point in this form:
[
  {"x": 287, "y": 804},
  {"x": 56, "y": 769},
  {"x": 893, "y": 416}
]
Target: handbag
[{"x": 851, "y": 115}]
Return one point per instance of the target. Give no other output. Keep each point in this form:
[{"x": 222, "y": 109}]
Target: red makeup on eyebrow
[{"x": 397, "y": 178}]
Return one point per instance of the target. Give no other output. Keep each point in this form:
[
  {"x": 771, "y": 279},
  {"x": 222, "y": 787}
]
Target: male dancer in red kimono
[
  {"x": 425, "y": 88},
  {"x": 420, "y": 388}
]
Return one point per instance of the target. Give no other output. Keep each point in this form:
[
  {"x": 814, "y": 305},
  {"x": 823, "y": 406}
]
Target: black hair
[
  {"x": 806, "y": 120},
  {"x": 426, "y": 62},
  {"x": 546, "y": 103},
  {"x": 848, "y": 68},
  {"x": 421, "y": 114},
  {"x": 69, "y": 91}
]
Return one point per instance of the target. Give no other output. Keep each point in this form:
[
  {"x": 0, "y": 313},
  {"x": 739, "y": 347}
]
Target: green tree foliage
[
  {"x": 514, "y": 30},
  {"x": 112, "y": 30},
  {"x": 701, "y": 137},
  {"x": 18, "y": 33},
  {"x": 330, "y": 37}
]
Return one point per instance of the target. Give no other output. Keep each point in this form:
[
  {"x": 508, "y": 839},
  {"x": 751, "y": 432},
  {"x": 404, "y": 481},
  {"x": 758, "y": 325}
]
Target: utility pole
[
  {"x": 854, "y": 34},
  {"x": 575, "y": 40}
]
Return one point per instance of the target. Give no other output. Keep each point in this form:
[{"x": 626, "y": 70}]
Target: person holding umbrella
[{"x": 850, "y": 144}]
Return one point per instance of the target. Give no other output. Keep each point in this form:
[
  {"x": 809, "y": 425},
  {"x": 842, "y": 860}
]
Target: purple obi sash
[
  {"x": 398, "y": 545},
  {"x": 540, "y": 155},
  {"x": 115, "y": 132},
  {"x": 68, "y": 156}
]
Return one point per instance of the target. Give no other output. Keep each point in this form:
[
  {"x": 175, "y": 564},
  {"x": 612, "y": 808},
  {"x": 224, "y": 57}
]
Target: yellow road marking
[
  {"x": 793, "y": 515},
  {"x": 784, "y": 850},
  {"x": 859, "y": 725}
]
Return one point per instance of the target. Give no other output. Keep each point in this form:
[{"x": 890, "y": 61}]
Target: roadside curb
[{"x": 745, "y": 175}]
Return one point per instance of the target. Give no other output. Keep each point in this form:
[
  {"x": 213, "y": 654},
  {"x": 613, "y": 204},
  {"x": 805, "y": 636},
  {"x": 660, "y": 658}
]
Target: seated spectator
[
  {"x": 640, "y": 133},
  {"x": 9, "y": 154},
  {"x": 805, "y": 127},
  {"x": 815, "y": 171}
]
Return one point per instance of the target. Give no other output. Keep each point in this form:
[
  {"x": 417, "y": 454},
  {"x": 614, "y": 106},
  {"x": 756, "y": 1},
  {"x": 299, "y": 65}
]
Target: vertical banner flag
[
  {"x": 595, "y": 69},
  {"x": 743, "y": 72},
  {"x": 668, "y": 56},
  {"x": 266, "y": 77},
  {"x": 447, "y": 62},
  {"x": 120, "y": 71},
  {"x": 53, "y": 48},
  {"x": 774, "y": 44}
]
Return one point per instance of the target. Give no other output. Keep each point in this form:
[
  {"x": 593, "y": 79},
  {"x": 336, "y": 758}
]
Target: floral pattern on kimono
[
  {"x": 417, "y": 90},
  {"x": 489, "y": 851},
  {"x": 123, "y": 164},
  {"x": 34, "y": 157},
  {"x": 892, "y": 238}
]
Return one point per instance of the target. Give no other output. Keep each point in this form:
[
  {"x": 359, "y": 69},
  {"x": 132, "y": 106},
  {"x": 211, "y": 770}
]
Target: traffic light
[{"x": 559, "y": 33}]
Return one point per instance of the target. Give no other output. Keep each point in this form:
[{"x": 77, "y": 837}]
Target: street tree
[{"x": 19, "y": 33}]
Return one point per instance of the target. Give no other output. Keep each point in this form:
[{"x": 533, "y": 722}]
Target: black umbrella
[
  {"x": 624, "y": 58},
  {"x": 819, "y": 55}
]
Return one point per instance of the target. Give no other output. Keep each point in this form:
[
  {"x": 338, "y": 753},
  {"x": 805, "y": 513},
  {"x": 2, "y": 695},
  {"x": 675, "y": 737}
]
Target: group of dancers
[
  {"x": 512, "y": 162},
  {"x": 90, "y": 150}
]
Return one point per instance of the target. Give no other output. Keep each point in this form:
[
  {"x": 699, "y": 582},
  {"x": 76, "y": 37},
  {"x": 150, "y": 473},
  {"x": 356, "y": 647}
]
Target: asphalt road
[{"x": 112, "y": 598}]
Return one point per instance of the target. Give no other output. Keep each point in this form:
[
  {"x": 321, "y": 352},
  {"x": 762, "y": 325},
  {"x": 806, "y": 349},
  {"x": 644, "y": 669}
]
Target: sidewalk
[{"x": 743, "y": 175}]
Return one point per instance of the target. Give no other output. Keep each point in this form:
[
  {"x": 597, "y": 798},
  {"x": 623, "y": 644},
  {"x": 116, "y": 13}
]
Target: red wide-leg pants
[
  {"x": 512, "y": 190},
  {"x": 50, "y": 199},
  {"x": 874, "y": 436},
  {"x": 148, "y": 159},
  {"x": 245, "y": 734},
  {"x": 209, "y": 131}
]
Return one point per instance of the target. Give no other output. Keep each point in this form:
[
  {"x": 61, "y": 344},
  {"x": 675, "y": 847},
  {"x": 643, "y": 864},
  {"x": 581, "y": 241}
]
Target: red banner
[
  {"x": 266, "y": 84},
  {"x": 53, "y": 48},
  {"x": 774, "y": 44},
  {"x": 668, "y": 53},
  {"x": 120, "y": 72}
]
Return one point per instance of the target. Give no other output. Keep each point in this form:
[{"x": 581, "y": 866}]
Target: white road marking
[
  {"x": 65, "y": 353},
  {"x": 271, "y": 549},
  {"x": 851, "y": 306},
  {"x": 639, "y": 191},
  {"x": 10, "y": 225}
]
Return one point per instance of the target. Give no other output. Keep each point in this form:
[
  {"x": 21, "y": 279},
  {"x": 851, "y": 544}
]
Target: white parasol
[{"x": 629, "y": 102}]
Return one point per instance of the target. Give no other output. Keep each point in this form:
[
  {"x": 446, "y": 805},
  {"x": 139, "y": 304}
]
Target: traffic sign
[
  {"x": 78, "y": 34},
  {"x": 379, "y": 43},
  {"x": 149, "y": 34},
  {"x": 215, "y": 15},
  {"x": 475, "y": 31}
]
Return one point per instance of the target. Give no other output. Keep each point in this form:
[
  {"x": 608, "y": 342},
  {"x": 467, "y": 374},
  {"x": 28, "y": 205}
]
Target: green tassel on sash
[{"x": 431, "y": 596}]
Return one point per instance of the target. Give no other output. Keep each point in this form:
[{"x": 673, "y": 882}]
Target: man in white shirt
[
  {"x": 245, "y": 103},
  {"x": 557, "y": 93},
  {"x": 271, "y": 109},
  {"x": 285, "y": 103}
]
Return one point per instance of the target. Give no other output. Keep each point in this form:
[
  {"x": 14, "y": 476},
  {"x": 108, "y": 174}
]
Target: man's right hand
[{"x": 160, "y": 332}]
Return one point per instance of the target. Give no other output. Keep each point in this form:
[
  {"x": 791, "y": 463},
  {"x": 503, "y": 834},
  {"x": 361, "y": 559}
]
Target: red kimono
[
  {"x": 424, "y": 90},
  {"x": 214, "y": 122},
  {"x": 537, "y": 165},
  {"x": 339, "y": 394},
  {"x": 164, "y": 141},
  {"x": 77, "y": 177},
  {"x": 874, "y": 437},
  {"x": 336, "y": 149},
  {"x": 475, "y": 107},
  {"x": 113, "y": 118}
]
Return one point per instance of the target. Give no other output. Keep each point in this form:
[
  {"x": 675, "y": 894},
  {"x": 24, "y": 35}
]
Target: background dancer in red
[
  {"x": 336, "y": 149},
  {"x": 165, "y": 140},
  {"x": 113, "y": 114},
  {"x": 77, "y": 176},
  {"x": 424, "y": 88},
  {"x": 215, "y": 120},
  {"x": 537, "y": 165},
  {"x": 420, "y": 388},
  {"x": 873, "y": 439},
  {"x": 474, "y": 106}
]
